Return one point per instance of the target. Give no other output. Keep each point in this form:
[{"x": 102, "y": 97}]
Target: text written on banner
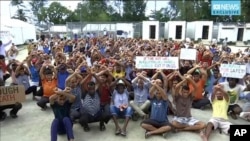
[
  {"x": 233, "y": 70},
  {"x": 12, "y": 94},
  {"x": 152, "y": 62}
]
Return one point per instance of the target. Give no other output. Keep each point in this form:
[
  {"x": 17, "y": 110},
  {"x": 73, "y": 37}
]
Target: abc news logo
[{"x": 239, "y": 132}]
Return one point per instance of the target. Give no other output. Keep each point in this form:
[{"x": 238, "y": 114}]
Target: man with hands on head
[
  {"x": 220, "y": 102},
  {"x": 61, "y": 103},
  {"x": 158, "y": 122}
]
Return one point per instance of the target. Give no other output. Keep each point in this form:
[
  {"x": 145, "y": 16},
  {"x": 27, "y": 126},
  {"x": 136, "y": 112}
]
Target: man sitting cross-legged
[
  {"x": 220, "y": 103},
  {"x": 183, "y": 100},
  {"x": 158, "y": 122},
  {"x": 140, "y": 103}
]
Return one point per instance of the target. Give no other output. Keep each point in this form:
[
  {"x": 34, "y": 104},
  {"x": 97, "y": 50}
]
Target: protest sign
[
  {"x": 11, "y": 94},
  {"x": 188, "y": 54},
  {"x": 153, "y": 62},
  {"x": 233, "y": 70}
]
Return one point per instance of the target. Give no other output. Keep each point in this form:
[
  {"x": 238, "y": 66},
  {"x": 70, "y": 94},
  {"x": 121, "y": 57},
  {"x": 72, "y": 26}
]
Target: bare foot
[{"x": 203, "y": 136}]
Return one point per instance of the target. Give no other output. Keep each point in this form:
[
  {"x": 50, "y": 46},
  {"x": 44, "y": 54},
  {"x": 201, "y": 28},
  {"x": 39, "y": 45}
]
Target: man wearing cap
[{"x": 120, "y": 105}]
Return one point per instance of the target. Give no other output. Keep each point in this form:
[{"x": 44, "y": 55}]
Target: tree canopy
[{"x": 124, "y": 11}]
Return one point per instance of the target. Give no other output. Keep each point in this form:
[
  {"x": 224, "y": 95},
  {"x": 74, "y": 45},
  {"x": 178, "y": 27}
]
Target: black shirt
[{"x": 61, "y": 111}]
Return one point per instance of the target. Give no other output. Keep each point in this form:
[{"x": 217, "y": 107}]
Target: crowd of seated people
[{"x": 96, "y": 80}]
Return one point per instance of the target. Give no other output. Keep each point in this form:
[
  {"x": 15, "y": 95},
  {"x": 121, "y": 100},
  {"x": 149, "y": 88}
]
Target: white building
[
  {"x": 200, "y": 30},
  {"x": 150, "y": 30},
  {"x": 175, "y": 30}
]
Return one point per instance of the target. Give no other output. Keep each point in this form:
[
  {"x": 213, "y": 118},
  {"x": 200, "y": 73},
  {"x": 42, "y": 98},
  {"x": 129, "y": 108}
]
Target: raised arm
[
  {"x": 161, "y": 91},
  {"x": 189, "y": 78},
  {"x": 219, "y": 87}
]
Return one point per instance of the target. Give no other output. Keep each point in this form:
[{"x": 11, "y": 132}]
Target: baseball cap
[
  {"x": 120, "y": 82},
  {"x": 83, "y": 69}
]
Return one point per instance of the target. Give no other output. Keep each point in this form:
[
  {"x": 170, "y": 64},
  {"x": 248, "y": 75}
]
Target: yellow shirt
[
  {"x": 118, "y": 75},
  {"x": 220, "y": 108}
]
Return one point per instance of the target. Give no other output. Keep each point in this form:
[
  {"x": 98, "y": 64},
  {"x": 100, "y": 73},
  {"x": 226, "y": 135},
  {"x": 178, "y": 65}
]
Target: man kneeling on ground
[
  {"x": 14, "y": 107},
  {"x": 61, "y": 103}
]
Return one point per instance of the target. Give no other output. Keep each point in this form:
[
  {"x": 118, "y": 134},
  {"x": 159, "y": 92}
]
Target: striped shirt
[
  {"x": 77, "y": 93},
  {"x": 91, "y": 105}
]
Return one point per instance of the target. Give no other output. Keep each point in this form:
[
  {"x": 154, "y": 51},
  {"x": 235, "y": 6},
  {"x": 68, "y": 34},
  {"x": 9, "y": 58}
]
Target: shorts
[
  {"x": 184, "y": 120},
  {"x": 223, "y": 124},
  {"x": 155, "y": 123}
]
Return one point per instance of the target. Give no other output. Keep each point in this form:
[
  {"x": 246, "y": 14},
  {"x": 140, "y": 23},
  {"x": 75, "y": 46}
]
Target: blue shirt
[
  {"x": 159, "y": 110},
  {"x": 61, "y": 77},
  {"x": 210, "y": 83},
  {"x": 46, "y": 49},
  {"x": 61, "y": 111},
  {"x": 35, "y": 77}
]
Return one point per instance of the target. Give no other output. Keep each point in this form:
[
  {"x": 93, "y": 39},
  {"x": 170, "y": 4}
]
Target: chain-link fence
[{"x": 112, "y": 29}]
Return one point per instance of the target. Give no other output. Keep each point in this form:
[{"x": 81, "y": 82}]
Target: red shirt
[
  {"x": 3, "y": 66},
  {"x": 105, "y": 95}
]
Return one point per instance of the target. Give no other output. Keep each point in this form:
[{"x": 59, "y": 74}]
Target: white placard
[
  {"x": 188, "y": 54},
  {"x": 153, "y": 62},
  {"x": 233, "y": 70}
]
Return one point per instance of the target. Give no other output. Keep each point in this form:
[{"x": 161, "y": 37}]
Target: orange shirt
[
  {"x": 200, "y": 87},
  {"x": 48, "y": 87}
]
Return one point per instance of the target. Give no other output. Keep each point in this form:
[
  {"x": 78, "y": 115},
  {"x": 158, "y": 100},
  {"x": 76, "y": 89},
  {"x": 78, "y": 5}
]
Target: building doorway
[
  {"x": 240, "y": 34},
  {"x": 152, "y": 31},
  {"x": 205, "y": 31},
  {"x": 178, "y": 32}
]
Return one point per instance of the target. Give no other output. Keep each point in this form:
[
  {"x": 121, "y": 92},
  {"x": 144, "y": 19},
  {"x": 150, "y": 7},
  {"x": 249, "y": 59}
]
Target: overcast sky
[{"x": 7, "y": 10}]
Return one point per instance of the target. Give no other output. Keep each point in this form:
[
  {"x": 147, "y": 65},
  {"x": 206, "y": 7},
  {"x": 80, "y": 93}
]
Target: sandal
[
  {"x": 124, "y": 133},
  {"x": 86, "y": 129},
  {"x": 118, "y": 132},
  {"x": 147, "y": 134},
  {"x": 102, "y": 127}
]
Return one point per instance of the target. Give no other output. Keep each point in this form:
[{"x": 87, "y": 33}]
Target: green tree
[
  {"x": 55, "y": 13},
  {"x": 94, "y": 11},
  {"x": 161, "y": 15},
  {"x": 134, "y": 10},
  {"x": 20, "y": 15},
  {"x": 36, "y": 6}
]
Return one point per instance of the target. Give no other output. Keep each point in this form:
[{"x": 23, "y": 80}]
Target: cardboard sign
[
  {"x": 233, "y": 70},
  {"x": 12, "y": 94},
  {"x": 154, "y": 62},
  {"x": 188, "y": 54}
]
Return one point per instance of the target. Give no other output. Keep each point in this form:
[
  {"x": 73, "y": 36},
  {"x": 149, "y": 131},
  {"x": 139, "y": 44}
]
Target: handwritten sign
[
  {"x": 188, "y": 54},
  {"x": 11, "y": 94},
  {"x": 233, "y": 70},
  {"x": 153, "y": 62}
]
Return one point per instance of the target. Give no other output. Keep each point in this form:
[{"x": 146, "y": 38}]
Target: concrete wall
[{"x": 146, "y": 32}]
